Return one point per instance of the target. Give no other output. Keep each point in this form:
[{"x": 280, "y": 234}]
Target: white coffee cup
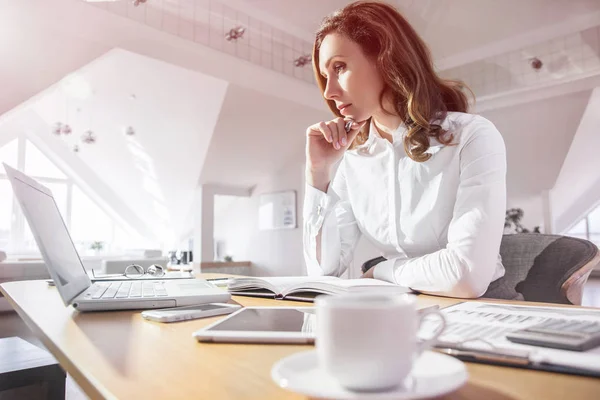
[{"x": 368, "y": 342}]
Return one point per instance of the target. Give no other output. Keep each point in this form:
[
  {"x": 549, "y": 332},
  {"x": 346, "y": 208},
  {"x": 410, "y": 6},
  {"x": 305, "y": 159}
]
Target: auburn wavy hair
[{"x": 419, "y": 96}]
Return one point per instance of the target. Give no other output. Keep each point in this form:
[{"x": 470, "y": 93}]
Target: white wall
[
  {"x": 235, "y": 223},
  {"x": 274, "y": 252},
  {"x": 279, "y": 252},
  {"x": 577, "y": 188},
  {"x": 537, "y": 135}
]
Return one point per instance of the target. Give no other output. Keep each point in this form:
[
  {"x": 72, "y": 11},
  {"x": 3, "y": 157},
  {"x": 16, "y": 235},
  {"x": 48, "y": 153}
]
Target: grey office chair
[{"x": 544, "y": 268}]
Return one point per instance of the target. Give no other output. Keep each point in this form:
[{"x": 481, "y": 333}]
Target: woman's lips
[{"x": 344, "y": 109}]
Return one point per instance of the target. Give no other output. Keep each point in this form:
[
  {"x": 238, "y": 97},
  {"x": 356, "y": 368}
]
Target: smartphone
[{"x": 189, "y": 312}]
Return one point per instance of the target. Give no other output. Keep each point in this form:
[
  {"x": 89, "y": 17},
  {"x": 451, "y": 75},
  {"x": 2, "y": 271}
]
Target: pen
[
  {"x": 501, "y": 357},
  {"x": 484, "y": 356}
]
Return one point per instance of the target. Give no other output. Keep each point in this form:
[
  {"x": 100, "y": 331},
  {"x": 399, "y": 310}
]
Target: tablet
[{"x": 263, "y": 325}]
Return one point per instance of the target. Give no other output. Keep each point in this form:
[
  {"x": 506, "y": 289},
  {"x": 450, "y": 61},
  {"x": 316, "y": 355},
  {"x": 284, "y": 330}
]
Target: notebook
[{"x": 306, "y": 288}]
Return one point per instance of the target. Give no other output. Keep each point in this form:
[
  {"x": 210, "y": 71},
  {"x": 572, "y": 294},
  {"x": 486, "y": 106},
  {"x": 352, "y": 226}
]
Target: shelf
[{"x": 217, "y": 264}]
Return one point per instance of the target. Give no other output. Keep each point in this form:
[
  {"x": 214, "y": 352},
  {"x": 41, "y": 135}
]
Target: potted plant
[
  {"x": 97, "y": 246},
  {"x": 512, "y": 222}
]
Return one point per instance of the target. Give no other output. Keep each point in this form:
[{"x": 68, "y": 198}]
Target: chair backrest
[{"x": 545, "y": 268}]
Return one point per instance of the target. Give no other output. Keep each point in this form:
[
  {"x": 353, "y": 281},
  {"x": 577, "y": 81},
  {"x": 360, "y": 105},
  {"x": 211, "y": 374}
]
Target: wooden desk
[{"x": 119, "y": 355}]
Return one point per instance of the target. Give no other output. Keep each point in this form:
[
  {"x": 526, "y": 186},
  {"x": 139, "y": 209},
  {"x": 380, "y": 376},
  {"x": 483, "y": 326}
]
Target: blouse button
[{"x": 319, "y": 210}]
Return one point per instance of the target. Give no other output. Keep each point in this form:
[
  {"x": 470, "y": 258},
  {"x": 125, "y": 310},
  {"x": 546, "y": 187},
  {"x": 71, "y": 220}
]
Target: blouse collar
[{"x": 398, "y": 137}]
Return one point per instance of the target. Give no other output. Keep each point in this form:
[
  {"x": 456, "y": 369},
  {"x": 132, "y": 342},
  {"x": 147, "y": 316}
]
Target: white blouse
[{"x": 438, "y": 223}]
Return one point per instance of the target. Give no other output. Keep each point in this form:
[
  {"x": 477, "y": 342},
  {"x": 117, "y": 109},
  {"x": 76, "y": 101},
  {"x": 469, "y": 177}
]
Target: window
[
  {"x": 9, "y": 153},
  {"x": 37, "y": 164},
  {"x": 588, "y": 228},
  {"x": 579, "y": 230},
  {"x": 86, "y": 221},
  {"x": 6, "y": 204}
]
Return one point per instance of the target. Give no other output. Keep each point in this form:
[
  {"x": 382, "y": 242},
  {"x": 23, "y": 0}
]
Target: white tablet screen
[{"x": 268, "y": 320}]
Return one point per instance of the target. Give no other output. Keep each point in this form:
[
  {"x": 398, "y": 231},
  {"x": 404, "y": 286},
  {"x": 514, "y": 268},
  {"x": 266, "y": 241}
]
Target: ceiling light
[
  {"x": 129, "y": 131},
  {"x": 57, "y": 128},
  {"x": 88, "y": 137},
  {"x": 536, "y": 63},
  {"x": 303, "y": 60},
  {"x": 235, "y": 33},
  {"x": 66, "y": 129}
]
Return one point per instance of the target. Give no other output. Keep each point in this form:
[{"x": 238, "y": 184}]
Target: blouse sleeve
[{"x": 332, "y": 213}]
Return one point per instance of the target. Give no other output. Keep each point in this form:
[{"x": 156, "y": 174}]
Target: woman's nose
[{"x": 332, "y": 90}]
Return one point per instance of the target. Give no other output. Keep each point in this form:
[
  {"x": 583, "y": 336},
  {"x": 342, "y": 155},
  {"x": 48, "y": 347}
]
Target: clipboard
[
  {"x": 495, "y": 358},
  {"x": 476, "y": 333}
]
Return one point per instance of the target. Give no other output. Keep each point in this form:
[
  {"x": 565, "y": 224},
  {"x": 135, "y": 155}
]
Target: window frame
[
  {"x": 17, "y": 242},
  {"x": 587, "y": 234}
]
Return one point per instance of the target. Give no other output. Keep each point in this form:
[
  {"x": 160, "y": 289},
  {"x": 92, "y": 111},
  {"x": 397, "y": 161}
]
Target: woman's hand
[
  {"x": 369, "y": 273},
  {"x": 326, "y": 143}
]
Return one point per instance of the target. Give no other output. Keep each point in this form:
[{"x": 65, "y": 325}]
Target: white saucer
[{"x": 433, "y": 374}]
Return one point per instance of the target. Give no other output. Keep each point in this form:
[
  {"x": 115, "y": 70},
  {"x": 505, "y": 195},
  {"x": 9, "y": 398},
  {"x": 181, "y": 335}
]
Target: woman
[{"x": 421, "y": 178}]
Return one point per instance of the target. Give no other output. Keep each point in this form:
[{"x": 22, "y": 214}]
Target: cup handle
[{"x": 428, "y": 343}]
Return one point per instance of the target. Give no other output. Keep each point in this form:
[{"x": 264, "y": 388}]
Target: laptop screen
[{"x": 51, "y": 235}]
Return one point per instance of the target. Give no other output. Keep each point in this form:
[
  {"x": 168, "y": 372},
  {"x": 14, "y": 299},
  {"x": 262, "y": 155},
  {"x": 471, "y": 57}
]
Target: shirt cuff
[
  {"x": 385, "y": 271},
  {"x": 317, "y": 204}
]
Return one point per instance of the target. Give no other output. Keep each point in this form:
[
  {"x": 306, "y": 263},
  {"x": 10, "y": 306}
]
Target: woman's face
[{"x": 353, "y": 82}]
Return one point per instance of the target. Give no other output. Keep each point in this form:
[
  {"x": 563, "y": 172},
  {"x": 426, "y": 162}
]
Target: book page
[
  {"x": 339, "y": 286},
  {"x": 362, "y": 282},
  {"x": 276, "y": 284}
]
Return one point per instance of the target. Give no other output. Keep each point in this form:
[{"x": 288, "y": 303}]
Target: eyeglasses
[{"x": 134, "y": 271}]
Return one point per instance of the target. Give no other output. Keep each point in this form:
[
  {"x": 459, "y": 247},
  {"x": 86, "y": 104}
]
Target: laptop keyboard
[{"x": 126, "y": 290}]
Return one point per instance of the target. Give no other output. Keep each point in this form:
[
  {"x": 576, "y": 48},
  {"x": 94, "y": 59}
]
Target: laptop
[{"x": 67, "y": 271}]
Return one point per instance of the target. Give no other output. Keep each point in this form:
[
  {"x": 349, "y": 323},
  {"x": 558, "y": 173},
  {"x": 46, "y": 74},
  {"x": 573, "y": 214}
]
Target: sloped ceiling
[
  {"x": 537, "y": 137},
  {"x": 256, "y": 136},
  {"x": 156, "y": 170},
  {"x": 33, "y": 58},
  {"x": 448, "y": 26},
  {"x": 176, "y": 105},
  {"x": 43, "y": 41}
]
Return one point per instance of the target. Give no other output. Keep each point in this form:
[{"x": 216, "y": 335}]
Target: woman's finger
[
  {"x": 335, "y": 135},
  {"x": 326, "y": 131},
  {"x": 341, "y": 127}
]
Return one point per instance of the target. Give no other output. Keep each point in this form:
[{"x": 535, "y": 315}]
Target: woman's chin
[
  {"x": 356, "y": 116},
  {"x": 360, "y": 117}
]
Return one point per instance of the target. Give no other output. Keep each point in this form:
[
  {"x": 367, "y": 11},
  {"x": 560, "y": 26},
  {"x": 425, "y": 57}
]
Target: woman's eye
[{"x": 338, "y": 68}]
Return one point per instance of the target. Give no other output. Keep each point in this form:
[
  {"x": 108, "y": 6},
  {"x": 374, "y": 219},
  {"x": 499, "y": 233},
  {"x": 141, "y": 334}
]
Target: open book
[{"x": 306, "y": 288}]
